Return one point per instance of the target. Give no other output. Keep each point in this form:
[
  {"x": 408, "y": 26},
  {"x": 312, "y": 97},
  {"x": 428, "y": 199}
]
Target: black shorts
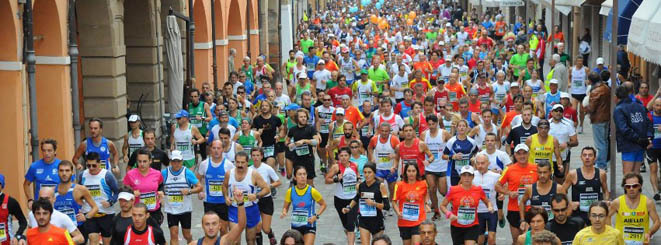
[
  {"x": 653, "y": 155},
  {"x": 435, "y": 174},
  {"x": 348, "y": 219},
  {"x": 184, "y": 219},
  {"x": 307, "y": 162},
  {"x": 305, "y": 230},
  {"x": 101, "y": 225},
  {"x": 461, "y": 234},
  {"x": 514, "y": 218},
  {"x": 157, "y": 216},
  {"x": 324, "y": 139},
  {"x": 407, "y": 232},
  {"x": 202, "y": 149},
  {"x": 488, "y": 222},
  {"x": 578, "y": 97},
  {"x": 499, "y": 204},
  {"x": 557, "y": 173},
  {"x": 266, "y": 205},
  {"x": 372, "y": 224},
  {"x": 454, "y": 180},
  {"x": 280, "y": 147},
  {"x": 220, "y": 209}
]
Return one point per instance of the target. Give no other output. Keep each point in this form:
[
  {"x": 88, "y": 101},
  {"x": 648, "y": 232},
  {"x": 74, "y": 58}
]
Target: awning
[
  {"x": 511, "y": 3},
  {"x": 486, "y": 3},
  {"x": 626, "y": 9},
  {"x": 606, "y": 7},
  {"x": 565, "y": 6},
  {"x": 645, "y": 32}
]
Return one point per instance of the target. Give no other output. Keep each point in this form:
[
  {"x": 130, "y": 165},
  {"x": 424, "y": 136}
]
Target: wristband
[
  {"x": 240, "y": 204},
  {"x": 335, "y": 179},
  {"x": 314, "y": 142},
  {"x": 448, "y": 214}
]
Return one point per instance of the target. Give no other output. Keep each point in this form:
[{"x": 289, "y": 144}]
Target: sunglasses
[
  {"x": 631, "y": 186},
  {"x": 559, "y": 210},
  {"x": 355, "y": 147},
  {"x": 543, "y": 127},
  {"x": 92, "y": 165}
]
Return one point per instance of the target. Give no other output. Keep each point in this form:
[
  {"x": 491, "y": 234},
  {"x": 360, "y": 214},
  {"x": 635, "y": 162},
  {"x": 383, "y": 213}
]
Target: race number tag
[
  {"x": 302, "y": 150},
  {"x": 366, "y": 210},
  {"x": 182, "y": 146},
  {"x": 299, "y": 218},
  {"x": 149, "y": 199},
  {"x": 586, "y": 199},
  {"x": 464, "y": 161},
  {"x": 452, "y": 96},
  {"x": 268, "y": 151},
  {"x": 3, "y": 233},
  {"x": 465, "y": 215},
  {"x": 633, "y": 235},
  {"x": 411, "y": 211},
  {"x": 175, "y": 199},
  {"x": 216, "y": 188}
]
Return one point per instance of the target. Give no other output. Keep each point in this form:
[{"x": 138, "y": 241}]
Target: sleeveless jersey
[
  {"x": 67, "y": 204},
  {"x": 244, "y": 185},
  {"x": 404, "y": 112},
  {"x": 440, "y": 98},
  {"x": 550, "y": 100},
  {"x": 247, "y": 141},
  {"x": 412, "y": 155},
  {"x": 365, "y": 91},
  {"x": 543, "y": 200},
  {"x": 198, "y": 110},
  {"x": 586, "y": 191},
  {"x": 447, "y": 124},
  {"x": 230, "y": 153},
  {"x": 656, "y": 121},
  {"x": 338, "y": 129},
  {"x": 99, "y": 190},
  {"x": 175, "y": 202},
  {"x": 289, "y": 67},
  {"x": 146, "y": 238},
  {"x": 296, "y": 71},
  {"x": 633, "y": 222},
  {"x": 578, "y": 77},
  {"x": 102, "y": 149},
  {"x": 201, "y": 241},
  {"x": 347, "y": 68},
  {"x": 484, "y": 94},
  {"x": 436, "y": 145},
  {"x": 135, "y": 143},
  {"x": 325, "y": 118},
  {"x": 382, "y": 153},
  {"x": 182, "y": 141},
  {"x": 299, "y": 92},
  {"x": 213, "y": 181},
  {"x": 303, "y": 207},
  {"x": 5, "y": 222},
  {"x": 500, "y": 91},
  {"x": 346, "y": 189},
  {"x": 541, "y": 152}
]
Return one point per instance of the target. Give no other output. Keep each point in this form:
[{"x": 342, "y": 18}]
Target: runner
[
  {"x": 304, "y": 197},
  {"x": 211, "y": 226},
  {"x": 9, "y": 210},
  {"x": 179, "y": 184},
  {"x": 230, "y": 148},
  {"x": 46, "y": 233},
  {"x": 44, "y": 172},
  {"x": 57, "y": 218},
  {"x": 537, "y": 218},
  {"x": 133, "y": 140},
  {"x": 520, "y": 134},
  {"x": 578, "y": 88},
  {"x": 588, "y": 184},
  {"x": 159, "y": 157},
  {"x": 563, "y": 225},
  {"x": 103, "y": 188},
  {"x": 563, "y": 130},
  {"x": 364, "y": 88},
  {"x": 372, "y": 199},
  {"x": 634, "y": 211},
  {"x": 381, "y": 151},
  {"x": 324, "y": 113},
  {"x": 248, "y": 181},
  {"x": 124, "y": 219},
  {"x": 599, "y": 232},
  {"x": 184, "y": 137},
  {"x": 542, "y": 149},
  {"x": 517, "y": 177},
  {"x": 539, "y": 194},
  {"x": 145, "y": 182},
  {"x": 487, "y": 180},
  {"x": 265, "y": 203},
  {"x": 435, "y": 138},
  {"x": 480, "y": 131},
  {"x": 654, "y": 154},
  {"x": 97, "y": 143},
  {"x": 247, "y": 138},
  {"x": 301, "y": 140},
  {"x": 70, "y": 197},
  {"x": 270, "y": 129},
  {"x": 211, "y": 172},
  {"x": 200, "y": 116},
  {"x": 410, "y": 202},
  {"x": 458, "y": 151},
  {"x": 345, "y": 176},
  {"x": 140, "y": 232}
]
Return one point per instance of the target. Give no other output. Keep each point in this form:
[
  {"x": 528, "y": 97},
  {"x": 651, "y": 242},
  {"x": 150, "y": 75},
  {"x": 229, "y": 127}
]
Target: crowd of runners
[{"x": 415, "y": 111}]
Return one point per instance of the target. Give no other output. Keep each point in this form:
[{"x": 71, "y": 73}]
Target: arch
[
  {"x": 8, "y": 33},
  {"x": 221, "y": 28},
  {"x": 49, "y": 31},
  {"x": 235, "y": 19},
  {"x": 202, "y": 38},
  {"x": 254, "y": 15},
  {"x": 201, "y": 18}
]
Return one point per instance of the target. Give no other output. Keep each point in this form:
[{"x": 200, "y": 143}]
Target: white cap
[
  {"x": 553, "y": 81},
  {"x": 514, "y": 84},
  {"x": 448, "y": 58},
  {"x": 126, "y": 196},
  {"x": 176, "y": 155},
  {"x": 441, "y": 43},
  {"x": 564, "y": 95},
  {"x": 467, "y": 169},
  {"x": 600, "y": 61},
  {"x": 556, "y": 106},
  {"x": 321, "y": 62},
  {"x": 339, "y": 111},
  {"x": 302, "y": 75},
  {"x": 521, "y": 146},
  {"x": 134, "y": 118},
  {"x": 448, "y": 24}
]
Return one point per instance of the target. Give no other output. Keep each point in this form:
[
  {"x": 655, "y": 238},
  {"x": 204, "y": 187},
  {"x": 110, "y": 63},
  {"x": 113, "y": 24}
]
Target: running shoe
[
  {"x": 643, "y": 169},
  {"x": 323, "y": 169},
  {"x": 657, "y": 197},
  {"x": 273, "y": 241},
  {"x": 501, "y": 223},
  {"x": 580, "y": 130}
]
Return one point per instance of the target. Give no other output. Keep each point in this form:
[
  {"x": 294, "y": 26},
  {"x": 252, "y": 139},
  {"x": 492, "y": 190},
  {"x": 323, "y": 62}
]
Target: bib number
[
  {"x": 657, "y": 132},
  {"x": 547, "y": 207},
  {"x": 633, "y": 235},
  {"x": 411, "y": 211},
  {"x": 465, "y": 215},
  {"x": 586, "y": 199},
  {"x": 149, "y": 199},
  {"x": 268, "y": 151},
  {"x": 458, "y": 164},
  {"x": 3, "y": 233},
  {"x": 453, "y": 96},
  {"x": 349, "y": 187},
  {"x": 366, "y": 210},
  {"x": 303, "y": 150},
  {"x": 299, "y": 218},
  {"x": 182, "y": 146},
  {"x": 578, "y": 83},
  {"x": 175, "y": 199},
  {"x": 384, "y": 161},
  {"x": 216, "y": 188}
]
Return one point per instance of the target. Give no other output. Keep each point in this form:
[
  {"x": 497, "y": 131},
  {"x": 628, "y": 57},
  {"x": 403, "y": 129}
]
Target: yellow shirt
[
  {"x": 541, "y": 152},
  {"x": 633, "y": 223},
  {"x": 609, "y": 236},
  {"x": 314, "y": 192}
]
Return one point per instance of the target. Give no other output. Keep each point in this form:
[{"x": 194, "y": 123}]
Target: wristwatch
[{"x": 316, "y": 215}]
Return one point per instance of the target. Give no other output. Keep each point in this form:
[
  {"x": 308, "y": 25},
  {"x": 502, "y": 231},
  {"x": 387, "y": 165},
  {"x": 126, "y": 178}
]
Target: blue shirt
[
  {"x": 310, "y": 64},
  {"x": 215, "y": 122},
  {"x": 190, "y": 176},
  {"x": 43, "y": 174}
]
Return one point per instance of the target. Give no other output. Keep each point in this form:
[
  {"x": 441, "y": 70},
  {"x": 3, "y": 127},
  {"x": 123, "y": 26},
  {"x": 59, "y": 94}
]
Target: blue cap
[
  {"x": 180, "y": 114},
  {"x": 293, "y": 106},
  {"x": 2, "y": 180}
]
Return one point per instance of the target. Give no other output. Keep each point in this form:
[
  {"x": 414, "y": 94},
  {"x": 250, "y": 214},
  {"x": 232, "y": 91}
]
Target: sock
[
  {"x": 270, "y": 234},
  {"x": 258, "y": 238}
]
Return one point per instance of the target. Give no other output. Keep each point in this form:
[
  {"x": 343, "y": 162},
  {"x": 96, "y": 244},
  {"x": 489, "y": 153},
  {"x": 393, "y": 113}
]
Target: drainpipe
[
  {"x": 161, "y": 107},
  {"x": 613, "y": 63},
  {"x": 73, "y": 71},
  {"x": 191, "y": 53},
  {"x": 31, "y": 61},
  {"x": 248, "y": 26},
  {"x": 280, "y": 42},
  {"x": 213, "y": 45}
]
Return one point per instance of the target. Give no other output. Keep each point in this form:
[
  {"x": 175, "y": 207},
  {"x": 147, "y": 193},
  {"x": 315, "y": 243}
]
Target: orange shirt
[
  {"x": 425, "y": 67},
  {"x": 508, "y": 118},
  {"x": 54, "y": 235},
  {"x": 351, "y": 114},
  {"x": 331, "y": 66},
  {"x": 517, "y": 178},
  {"x": 411, "y": 202},
  {"x": 467, "y": 200},
  {"x": 425, "y": 84},
  {"x": 455, "y": 92}
]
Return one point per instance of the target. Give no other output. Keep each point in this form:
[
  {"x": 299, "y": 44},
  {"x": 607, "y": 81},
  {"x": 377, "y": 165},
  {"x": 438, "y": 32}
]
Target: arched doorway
[
  {"x": 203, "y": 44},
  {"x": 222, "y": 51},
  {"x": 236, "y": 31}
]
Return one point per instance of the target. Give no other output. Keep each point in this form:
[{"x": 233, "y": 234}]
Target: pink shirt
[{"x": 147, "y": 185}]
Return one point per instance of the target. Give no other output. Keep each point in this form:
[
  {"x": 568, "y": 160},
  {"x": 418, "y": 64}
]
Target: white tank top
[
  {"x": 244, "y": 185},
  {"x": 347, "y": 68},
  {"x": 364, "y": 91},
  {"x": 325, "y": 115},
  {"x": 500, "y": 91},
  {"x": 296, "y": 71},
  {"x": 99, "y": 190},
  {"x": 482, "y": 134},
  {"x": 346, "y": 189},
  {"x": 578, "y": 77},
  {"x": 229, "y": 155},
  {"x": 436, "y": 146},
  {"x": 182, "y": 141},
  {"x": 135, "y": 143},
  {"x": 175, "y": 202},
  {"x": 382, "y": 153}
]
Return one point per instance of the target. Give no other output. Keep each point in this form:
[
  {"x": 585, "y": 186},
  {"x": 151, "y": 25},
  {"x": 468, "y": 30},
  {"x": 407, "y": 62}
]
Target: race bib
[
  {"x": 484, "y": 99},
  {"x": 547, "y": 207},
  {"x": 366, "y": 210},
  {"x": 542, "y": 160},
  {"x": 216, "y": 188},
  {"x": 633, "y": 235},
  {"x": 487, "y": 192},
  {"x": 365, "y": 131},
  {"x": 349, "y": 187},
  {"x": 383, "y": 161},
  {"x": 175, "y": 199},
  {"x": 465, "y": 215},
  {"x": 268, "y": 151},
  {"x": 586, "y": 199},
  {"x": 302, "y": 150},
  {"x": 409, "y": 161},
  {"x": 464, "y": 161},
  {"x": 299, "y": 218},
  {"x": 182, "y": 146},
  {"x": 3, "y": 233},
  {"x": 70, "y": 213},
  {"x": 452, "y": 96},
  {"x": 95, "y": 192},
  {"x": 102, "y": 164},
  {"x": 500, "y": 97},
  {"x": 657, "y": 132},
  {"x": 411, "y": 211},
  {"x": 577, "y": 83},
  {"x": 522, "y": 139},
  {"x": 323, "y": 128},
  {"x": 149, "y": 199},
  {"x": 522, "y": 191}
]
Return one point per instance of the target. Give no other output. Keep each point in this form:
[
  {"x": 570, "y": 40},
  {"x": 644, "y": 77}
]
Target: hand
[
  {"x": 370, "y": 202},
  {"x": 81, "y": 217},
  {"x": 291, "y": 145},
  {"x": 457, "y": 156},
  {"x": 513, "y": 194},
  {"x": 524, "y": 226},
  {"x": 252, "y": 197},
  {"x": 238, "y": 195},
  {"x": 198, "y": 117},
  {"x": 425, "y": 162},
  {"x": 192, "y": 140},
  {"x": 160, "y": 195},
  {"x": 126, "y": 158},
  {"x": 427, "y": 208},
  {"x": 563, "y": 146},
  {"x": 185, "y": 192},
  {"x": 312, "y": 219},
  {"x": 201, "y": 195},
  {"x": 453, "y": 217},
  {"x": 299, "y": 143},
  {"x": 393, "y": 170},
  {"x": 561, "y": 167},
  {"x": 136, "y": 193},
  {"x": 647, "y": 238},
  {"x": 79, "y": 167},
  {"x": 491, "y": 209},
  {"x": 283, "y": 213},
  {"x": 345, "y": 210},
  {"x": 115, "y": 170},
  {"x": 501, "y": 197},
  {"x": 13, "y": 241},
  {"x": 105, "y": 204},
  {"x": 30, "y": 204}
]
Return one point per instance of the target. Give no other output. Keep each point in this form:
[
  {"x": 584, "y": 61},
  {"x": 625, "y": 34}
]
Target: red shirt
[
  {"x": 457, "y": 91},
  {"x": 336, "y": 92},
  {"x": 440, "y": 98},
  {"x": 412, "y": 153},
  {"x": 509, "y": 103},
  {"x": 569, "y": 113},
  {"x": 645, "y": 100},
  {"x": 485, "y": 40},
  {"x": 411, "y": 197},
  {"x": 474, "y": 107},
  {"x": 467, "y": 201}
]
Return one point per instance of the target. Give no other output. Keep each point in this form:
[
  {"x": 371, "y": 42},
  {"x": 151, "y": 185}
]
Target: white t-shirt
[
  {"x": 399, "y": 82},
  {"x": 518, "y": 119},
  {"x": 267, "y": 173},
  {"x": 321, "y": 77},
  {"x": 562, "y": 131},
  {"x": 394, "y": 68},
  {"x": 282, "y": 101},
  {"x": 216, "y": 129},
  {"x": 58, "y": 219},
  {"x": 202, "y": 168},
  {"x": 497, "y": 158},
  {"x": 488, "y": 183}
]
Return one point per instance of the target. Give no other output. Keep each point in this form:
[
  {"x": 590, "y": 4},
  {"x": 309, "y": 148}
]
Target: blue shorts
[
  {"x": 387, "y": 175},
  {"x": 495, "y": 111},
  {"x": 253, "y": 215},
  {"x": 350, "y": 82},
  {"x": 634, "y": 156},
  {"x": 487, "y": 221}
]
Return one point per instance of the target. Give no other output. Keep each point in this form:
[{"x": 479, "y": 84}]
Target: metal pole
[
  {"x": 248, "y": 26},
  {"x": 191, "y": 42},
  {"x": 613, "y": 70},
  {"x": 31, "y": 61},
  {"x": 280, "y": 43},
  {"x": 214, "y": 64},
  {"x": 73, "y": 54},
  {"x": 552, "y": 25}
]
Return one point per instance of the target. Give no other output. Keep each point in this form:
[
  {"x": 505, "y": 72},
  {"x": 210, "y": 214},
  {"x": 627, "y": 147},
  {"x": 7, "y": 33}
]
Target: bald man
[
  {"x": 654, "y": 153},
  {"x": 58, "y": 218}
]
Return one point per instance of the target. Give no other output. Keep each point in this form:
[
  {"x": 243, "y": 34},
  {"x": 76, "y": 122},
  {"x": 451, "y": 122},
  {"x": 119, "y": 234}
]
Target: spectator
[
  {"x": 599, "y": 109},
  {"x": 633, "y": 130}
]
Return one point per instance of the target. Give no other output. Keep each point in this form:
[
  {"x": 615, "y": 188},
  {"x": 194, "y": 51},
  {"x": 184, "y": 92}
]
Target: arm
[
  {"x": 235, "y": 234},
  {"x": 125, "y": 147},
  {"x": 430, "y": 156},
  {"x": 604, "y": 184},
  {"x": 27, "y": 189},
  {"x": 569, "y": 180},
  {"x": 79, "y": 154},
  {"x": 332, "y": 172},
  {"x": 556, "y": 152},
  {"x": 15, "y": 210},
  {"x": 259, "y": 181},
  {"x": 522, "y": 207},
  {"x": 84, "y": 194},
  {"x": 77, "y": 237},
  {"x": 651, "y": 207},
  {"x": 115, "y": 157},
  {"x": 573, "y": 140},
  {"x": 199, "y": 138}
]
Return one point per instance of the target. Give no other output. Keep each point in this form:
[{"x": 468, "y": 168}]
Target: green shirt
[
  {"x": 518, "y": 60},
  {"x": 306, "y": 44},
  {"x": 330, "y": 84},
  {"x": 378, "y": 75},
  {"x": 432, "y": 35},
  {"x": 198, "y": 110},
  {"x": 563, "y": 58}
]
